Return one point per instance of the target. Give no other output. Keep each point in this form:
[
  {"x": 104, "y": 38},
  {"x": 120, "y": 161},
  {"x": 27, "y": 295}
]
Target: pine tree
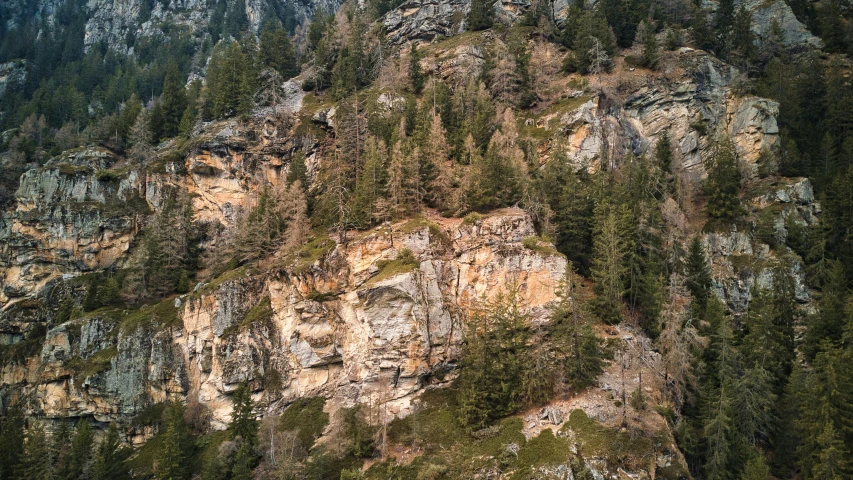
[
  {"x": 11, "y": 441},
  {"x": 173, "y": 102},
  {"x": 174, "y": 454},
  {"x": 828, "y": 325},
  {"x": 140, "y": 139},
  {"x": 698, "y": 274},
  {"x": 437, "y": 152},
  {"x": 243, "y": 423},
  {"x": 371, "y": 182},
  {"x": 609, "y": 267},
  {"x": 481, "y": 15},
  {"x": 297, "y": 170},
  {"x": 81, "y": 451},
  {"x": 228, "y": 83},
  {"x": 583, "y": 355},
  {"x": 110, "y": 458},
  {"x": 495, "y": 361},
  {"x": 651, "y": 50},
  {"x": 34, "y": 461},
  {"x": 756, "y": 468},
  {"x": 722, "y": 187},
  {"x": 277, "y": 52},
  {"x": 416, "y": 76},
  {"x": 60, "y": 452}
]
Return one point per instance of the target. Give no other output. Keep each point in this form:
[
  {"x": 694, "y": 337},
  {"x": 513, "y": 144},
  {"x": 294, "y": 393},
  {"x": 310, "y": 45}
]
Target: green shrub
[{"x": 306, "y": 417}]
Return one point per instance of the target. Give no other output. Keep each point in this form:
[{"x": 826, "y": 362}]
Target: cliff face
[
  {"x": 120, "y": 23},
  {"x": 352, "y": 325}
]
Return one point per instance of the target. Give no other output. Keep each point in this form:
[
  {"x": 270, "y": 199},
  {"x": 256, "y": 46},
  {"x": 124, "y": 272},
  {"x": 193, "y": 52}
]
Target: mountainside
[{"x": 425, "y": 239}]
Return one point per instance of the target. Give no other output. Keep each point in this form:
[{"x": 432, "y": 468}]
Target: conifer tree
[
  {"x": 11, "y": 441},
  {"x": 722, "y": 187},
  {"x": 416, "y": 76},
  {"x": 174, "y": 454},
  {"x": 609, "y": 261},
  {"x": 698, "y": 273},
  {"x": 297, "y": 170},
  {"x": 437, "y": 152},
  {"x": 583, "y": 355},
  {"x": 651, "y": 50},
  {"x": 481, "y": 15},
  {"x": 371, "y": 182},
  {"x": 60, "y": 452},
  {"x": 756, "y": 467},
  {"x": 228, "y": 83},
  {"x": 243, "y": 423},
  {"x": 35, "y": 459},
  {"x": 110, "y": 458},
  {"x": 828, "y": 325},
  {"x": 172, "y": 103},
  {"x": 276, "y": 51},
  {"x": 495, "y": 361},
  {"x": 81, "y": 451}
]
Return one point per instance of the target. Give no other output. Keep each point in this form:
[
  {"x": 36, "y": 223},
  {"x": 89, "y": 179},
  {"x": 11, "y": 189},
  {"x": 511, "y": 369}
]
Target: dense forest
[{"x": 765, "y": 393}]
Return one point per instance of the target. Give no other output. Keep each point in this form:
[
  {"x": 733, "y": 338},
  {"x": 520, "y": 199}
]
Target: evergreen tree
[
  {"x": 243, "y": 423},
  {"x": 370, "y": 185},
  {"x": 722, "y": 186},
  {"x": 663, "y": 155},
  {"x": 756, "y": 468},
  {"x": 228, "y": 84},
  {"x": 110, "y": 458},
  {"x": 172, "y": 103},
  {"x": 495, "y": 361},
  {"x": 583, "y": 355},
  {"x": 277, "y": 52},
  {"x": 416, "y": 76},
  {"x": 609, "y": 267},
  {"x": 651, "y": 49},
  {"x": 594, "y": 44},
  {"x": 698, "y": 275},
  {"x": 35, "y": 459},
  {"x": 175, "y": 452},
  {"x": 828, "y": 325},
  {"x": 297, "y": 170},
  {"x": 568, "y": 195},
  {"x": 81, "y": 451},
  {"x": 11, "y": 441},
  {"x": 481, "y": 15}
]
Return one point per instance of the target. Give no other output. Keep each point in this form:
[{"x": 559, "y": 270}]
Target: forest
[{"x": 766, "y": 393}]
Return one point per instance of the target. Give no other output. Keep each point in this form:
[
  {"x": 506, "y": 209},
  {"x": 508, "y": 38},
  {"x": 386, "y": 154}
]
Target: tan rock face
[
  {"x": 352, "y": 327},
  {"x": 374, "y": 336},
  {"x": 68, "y": 219}
]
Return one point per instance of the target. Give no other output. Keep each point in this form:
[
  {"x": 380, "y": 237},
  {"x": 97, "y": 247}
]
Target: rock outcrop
[{"x": 354, "y": 325}]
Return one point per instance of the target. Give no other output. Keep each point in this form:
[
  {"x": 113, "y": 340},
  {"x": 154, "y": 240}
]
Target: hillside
[{"x": 423, "y": 240}]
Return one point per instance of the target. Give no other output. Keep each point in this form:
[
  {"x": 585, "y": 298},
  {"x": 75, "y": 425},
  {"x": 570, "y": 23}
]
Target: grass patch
[
  {"x": 472, "y": 218},
  {"x": 225, "y": 277},
  {"x": 260, "y": 314},
  {"x": 435, "y": 232},
  {"x": 142, "y": 463},
  {"x": 545, "y": 449},
  {"x": 321, "y": 296},
  {"x": 72, "y": 170},
  {"x": 467, "y": 38},
  {"x": 306, "y": 417},
  {"x": 539, "y": 245},
  {"x": 159, "y": 316},
  {"x": 404, "y": 263},
  {"x": 112, "y": 175},
  {"x": 17, "y": 353},
  {"x": 316, "y": 248},
  {"x": 619, "y": 449}
]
